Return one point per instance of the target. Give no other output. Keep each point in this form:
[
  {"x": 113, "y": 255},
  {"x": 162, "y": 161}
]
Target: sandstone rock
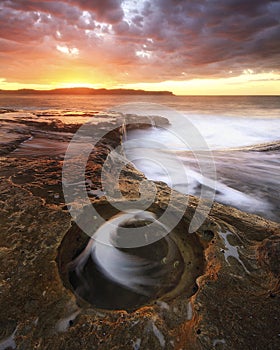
[{"x": 233, "y": 305}]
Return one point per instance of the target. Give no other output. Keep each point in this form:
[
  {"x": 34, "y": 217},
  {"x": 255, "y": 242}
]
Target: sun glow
[
  {"x": 78, "y": 85},
  {"x": 249, "y": 83},
  {"x": 53, "y": 85}
]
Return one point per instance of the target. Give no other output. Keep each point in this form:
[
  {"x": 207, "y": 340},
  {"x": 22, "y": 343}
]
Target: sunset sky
[{"x": 188, "y": 47}]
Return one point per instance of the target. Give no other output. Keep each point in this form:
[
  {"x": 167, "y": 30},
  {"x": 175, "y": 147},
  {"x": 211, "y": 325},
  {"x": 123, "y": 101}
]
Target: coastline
[
  {"x": 84, "y": 91},
  {"x": 39, "y": 308}
]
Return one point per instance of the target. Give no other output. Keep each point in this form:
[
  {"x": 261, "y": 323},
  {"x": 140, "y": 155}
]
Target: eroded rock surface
[{"x": 235, "y": 301}]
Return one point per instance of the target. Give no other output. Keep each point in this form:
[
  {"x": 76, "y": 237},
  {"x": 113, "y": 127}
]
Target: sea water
[{"x": 245, "y": 179}]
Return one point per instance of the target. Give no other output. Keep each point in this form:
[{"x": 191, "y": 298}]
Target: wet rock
[
  {"x": 234, "y": 298},
  {"x": 269, "y": 252}
]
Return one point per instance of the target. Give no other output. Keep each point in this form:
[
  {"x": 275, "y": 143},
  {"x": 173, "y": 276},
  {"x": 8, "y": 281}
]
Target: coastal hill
[{"x": 84, "y": 91}]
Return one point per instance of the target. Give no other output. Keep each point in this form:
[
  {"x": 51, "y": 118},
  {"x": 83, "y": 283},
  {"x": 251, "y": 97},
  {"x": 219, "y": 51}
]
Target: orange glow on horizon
[{"x": 245, "y": 84}]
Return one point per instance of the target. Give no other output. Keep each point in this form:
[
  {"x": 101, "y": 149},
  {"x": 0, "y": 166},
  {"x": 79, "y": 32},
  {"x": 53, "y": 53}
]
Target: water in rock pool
[
  {"x": 110, "y": 276},
  {"x": 247, "y": 180}
]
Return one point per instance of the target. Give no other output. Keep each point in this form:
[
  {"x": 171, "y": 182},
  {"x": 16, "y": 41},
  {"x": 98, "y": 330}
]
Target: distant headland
[{"x": 84, "y": 91}]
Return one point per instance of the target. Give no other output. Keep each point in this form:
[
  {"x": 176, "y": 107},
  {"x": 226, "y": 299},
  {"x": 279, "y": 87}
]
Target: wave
[{"x": 248, "y": 180}]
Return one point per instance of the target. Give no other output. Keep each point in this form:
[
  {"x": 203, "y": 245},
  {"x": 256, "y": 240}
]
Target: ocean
[{"x": 211, "y": 141}]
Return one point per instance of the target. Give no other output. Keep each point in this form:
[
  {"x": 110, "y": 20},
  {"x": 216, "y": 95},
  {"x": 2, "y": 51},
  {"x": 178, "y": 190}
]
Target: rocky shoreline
[{"x": 234, "y": 303}]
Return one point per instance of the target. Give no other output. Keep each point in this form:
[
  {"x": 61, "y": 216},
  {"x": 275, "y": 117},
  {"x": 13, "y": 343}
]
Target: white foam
[
  {"x": 219, "y": 132},
  {"x": 131, "y": 271},
  {"x": 226, "y": 194},
  {"x": 160, "y": 165}
]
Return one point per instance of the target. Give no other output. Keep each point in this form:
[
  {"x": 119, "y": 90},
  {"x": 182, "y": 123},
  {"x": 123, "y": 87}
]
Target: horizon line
[{"x": 108, "y": 90}]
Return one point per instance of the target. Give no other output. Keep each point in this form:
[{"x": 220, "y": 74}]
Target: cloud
[
  {"x": 104, "y": 10},
  {"x": 133, "y": 41}
]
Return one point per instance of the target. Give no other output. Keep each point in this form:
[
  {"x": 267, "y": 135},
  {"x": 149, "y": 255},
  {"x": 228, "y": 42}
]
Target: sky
[{"x": 188, "y": 47}]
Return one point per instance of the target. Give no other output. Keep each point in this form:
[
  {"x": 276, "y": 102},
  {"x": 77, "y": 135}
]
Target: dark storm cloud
[
  {"x": 57, "y": 9},
  {"x": 149, "y": 40},
  {"x": 230, "y": 34},
  {"x": 104, "y": 10}
]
